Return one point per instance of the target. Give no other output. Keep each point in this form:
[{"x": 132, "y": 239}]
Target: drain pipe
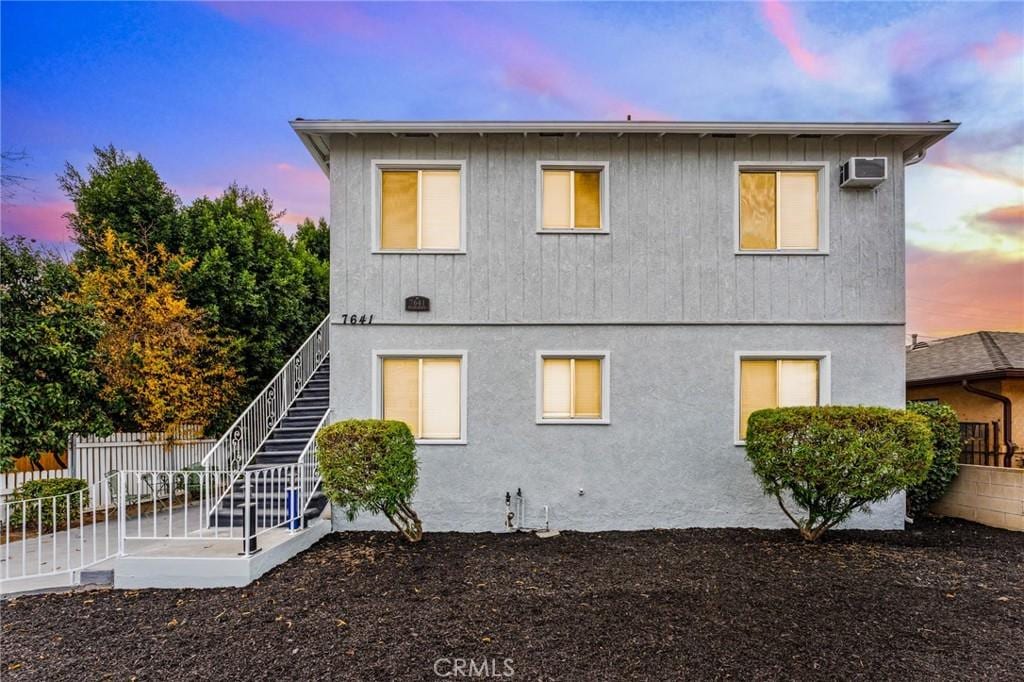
[{"x": 1011, "y": 447}]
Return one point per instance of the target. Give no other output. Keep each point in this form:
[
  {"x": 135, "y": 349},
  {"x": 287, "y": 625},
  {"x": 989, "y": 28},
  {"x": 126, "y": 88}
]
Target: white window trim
[
  {"x": 824, "y": 188},
  {"x": 377, "y": 392},
  {"x": 824, "y": 359},
  {"x": 573, "y": 165},
  {"x": 378, "y": 165},
  {"x": 604, "y": 356}
]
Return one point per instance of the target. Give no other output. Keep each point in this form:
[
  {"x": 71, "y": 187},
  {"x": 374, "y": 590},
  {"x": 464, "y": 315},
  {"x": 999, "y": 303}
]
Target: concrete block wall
[{"x": 992, "y": 496}]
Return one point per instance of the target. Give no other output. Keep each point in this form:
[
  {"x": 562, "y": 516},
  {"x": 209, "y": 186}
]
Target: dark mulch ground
[{"x": 943, "y": 601}]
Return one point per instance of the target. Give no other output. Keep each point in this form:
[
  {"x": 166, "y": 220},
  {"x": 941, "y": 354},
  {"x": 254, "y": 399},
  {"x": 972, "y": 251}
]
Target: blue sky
[{"x": 205, "y": 90}]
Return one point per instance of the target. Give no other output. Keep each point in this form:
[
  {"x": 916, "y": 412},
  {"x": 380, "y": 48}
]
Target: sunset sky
[{"x": 205, "y": 91}]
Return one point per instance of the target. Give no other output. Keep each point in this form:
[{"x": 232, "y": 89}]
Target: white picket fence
[{"x": 94, "y": 457}]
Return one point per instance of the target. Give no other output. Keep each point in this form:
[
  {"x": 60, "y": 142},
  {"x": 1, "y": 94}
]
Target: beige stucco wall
[
  {"x": 990, "y": 495},
  {"x": 971, "y": 407}
]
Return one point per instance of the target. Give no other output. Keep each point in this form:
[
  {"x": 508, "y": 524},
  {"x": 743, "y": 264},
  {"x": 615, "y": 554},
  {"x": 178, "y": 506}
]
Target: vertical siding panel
[
  {"x": 441, "y": 306},
  {"x": 779, "y": 308},
  {"x": 549, "y": 294},
  {"x": 567, "y": 245},
  {"x": 533, "y": 242},
  {"x": 461, "y": 278},
  {"x": 889, "y": 289},
  {"x": 516, "y": 214},
  {"x": 497, "y": 228},
  {"x": 899, "y": 231},
  {"x": 603, "y": 276},
  {"x": 358, "y": 219},
  {"x": 671, "y": 200},
  {"x": 638, "y": 233},
  {"x": 479, "y": 255},
  {"x": 744, "y": 283},
  {"x": 724, "y": 256},
  {"x": 621, "y": 228},
  {"x": 851, "y": 211},
  {"x": 585, "y": 243},
  {"x": 656, "y": 232},
  {"x": 796, "y": 276},
  {"x": 708, "y": 227},
  {"x": 338, "y": 225},
  {"x": 813, "y": 284},
  {"x": 833, "y": 272},
  {"x": 689, "y": 190},
  {"x": 763, "y": 294}
]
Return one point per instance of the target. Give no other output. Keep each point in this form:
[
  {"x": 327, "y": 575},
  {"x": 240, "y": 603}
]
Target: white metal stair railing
[
  {"x": 57, "y": 534},
  {"x": 239, "y": 444},
  {"x": 309, "y": 466}
]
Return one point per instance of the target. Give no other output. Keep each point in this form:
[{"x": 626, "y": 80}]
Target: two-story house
[{"x": 587, "y": 312}]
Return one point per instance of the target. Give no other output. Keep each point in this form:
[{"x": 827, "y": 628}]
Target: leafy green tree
[
  {"x": 256, "y": 284},
  {"x": 945, "y": 428},
  {"x": 263, "y": 291},
  {"x": 49, "y": 385},
  {"x": 122, "y": 194}
]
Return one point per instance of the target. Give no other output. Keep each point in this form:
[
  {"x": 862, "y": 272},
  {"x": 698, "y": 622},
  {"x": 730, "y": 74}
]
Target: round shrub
[
  {"x": 833, "y": 460},
  {"x": 49, "y": 503},
  {"x": 370, "y": 465},
  {"x": 945, "y": 428}
]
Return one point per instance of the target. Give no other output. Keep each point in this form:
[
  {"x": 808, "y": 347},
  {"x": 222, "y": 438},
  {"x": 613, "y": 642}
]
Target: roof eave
[
  {"x": 314, "y": 132},
  {"x": 976, "y": 376}
]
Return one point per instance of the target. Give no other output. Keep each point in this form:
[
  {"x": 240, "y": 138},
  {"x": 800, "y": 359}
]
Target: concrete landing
[{"x": 211, "y": 563}]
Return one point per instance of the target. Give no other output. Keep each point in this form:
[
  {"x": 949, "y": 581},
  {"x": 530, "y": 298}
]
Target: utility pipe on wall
[{"x": 1011, "y": 447}]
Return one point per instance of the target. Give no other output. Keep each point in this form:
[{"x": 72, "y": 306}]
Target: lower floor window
[
  {"x": 425, "y": 393},
  {"x": 777, "y": 382},
  {"x": 573, "y": 388}
]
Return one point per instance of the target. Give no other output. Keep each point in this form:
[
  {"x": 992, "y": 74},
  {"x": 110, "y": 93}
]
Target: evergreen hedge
[
  {"x": 833, "y": 460},
  {"x": 370, "y": 465},
  {"x": 945, "y": 429}
]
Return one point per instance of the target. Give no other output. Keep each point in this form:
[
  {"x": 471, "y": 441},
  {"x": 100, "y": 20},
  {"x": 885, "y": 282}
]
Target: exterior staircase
[{"x": 271, "y": 450}]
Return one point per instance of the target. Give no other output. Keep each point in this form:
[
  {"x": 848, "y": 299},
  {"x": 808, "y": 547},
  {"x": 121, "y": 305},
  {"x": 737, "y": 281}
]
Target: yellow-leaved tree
[{"x": 163, "y": 368}]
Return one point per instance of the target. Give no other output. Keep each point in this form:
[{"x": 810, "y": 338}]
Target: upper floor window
[
  {"x": 782, "y": 209},
  {"x": 573, "y": 196},
  {"x": 420, "y": 206},
  {"x": 783, "y": 380}
]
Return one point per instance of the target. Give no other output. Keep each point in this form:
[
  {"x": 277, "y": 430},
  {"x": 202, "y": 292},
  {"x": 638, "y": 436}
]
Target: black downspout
[{"x": 1007, "y": 418}]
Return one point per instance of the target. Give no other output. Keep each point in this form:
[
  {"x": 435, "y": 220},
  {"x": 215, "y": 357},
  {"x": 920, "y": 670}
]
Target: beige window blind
[
  {"x": 571, "y": 199},
  {"x": 766, "y": 383},
  {"x": 779, "y": 210},
  {"x": 426, "y": 394},
  {"x": 572, "y": 388},
  {"x": 420, "y": 209}
]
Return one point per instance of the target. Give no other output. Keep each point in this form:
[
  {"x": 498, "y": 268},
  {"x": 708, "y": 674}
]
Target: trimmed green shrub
[
  {"x": 370, "y": 465},
  {"x": 833, "y": 460},
  {"x": 945, "y": 428},
  {"x": 47, "y": 504}
]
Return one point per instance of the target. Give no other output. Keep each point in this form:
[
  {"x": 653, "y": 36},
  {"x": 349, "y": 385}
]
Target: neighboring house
[
  {"x": 587, "y": 312},
  {"x": 981, "y": 376}
]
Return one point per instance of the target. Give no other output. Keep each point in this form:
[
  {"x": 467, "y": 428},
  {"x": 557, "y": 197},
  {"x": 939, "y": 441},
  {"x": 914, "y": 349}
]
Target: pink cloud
[
  {"x": 782, "y": 25},
  {"x": 43, "y": 221},
  {"x": 952, "y": 293},
  {"x": 1005, "y": 46},
  {"x": 1007, "y": 217},
  {"x": 524, "y": 65}
]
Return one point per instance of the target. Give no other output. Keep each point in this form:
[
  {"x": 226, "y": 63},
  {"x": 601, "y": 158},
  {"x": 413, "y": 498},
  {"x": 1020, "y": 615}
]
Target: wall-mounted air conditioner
[{"x": 864, "y": 171}]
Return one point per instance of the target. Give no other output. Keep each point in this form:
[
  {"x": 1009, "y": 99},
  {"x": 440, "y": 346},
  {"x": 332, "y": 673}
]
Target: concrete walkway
[{"x": 53, "y": 560}]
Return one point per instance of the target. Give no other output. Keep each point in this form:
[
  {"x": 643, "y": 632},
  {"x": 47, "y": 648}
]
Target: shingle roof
[{"x": 967, "y": 355}]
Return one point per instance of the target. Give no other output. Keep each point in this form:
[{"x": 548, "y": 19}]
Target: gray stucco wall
[
  {"x": 667, "y": 458},
  {"x": 669, "y": 255}
]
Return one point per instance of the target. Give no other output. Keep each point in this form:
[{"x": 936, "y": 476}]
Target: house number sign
[
  {"x": 417, "y": 304},
  {"x": 355, "y": 318}
]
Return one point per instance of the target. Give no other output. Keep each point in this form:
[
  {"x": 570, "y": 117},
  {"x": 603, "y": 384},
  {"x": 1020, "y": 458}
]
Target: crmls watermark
[{"x": 471, "y": 667}]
